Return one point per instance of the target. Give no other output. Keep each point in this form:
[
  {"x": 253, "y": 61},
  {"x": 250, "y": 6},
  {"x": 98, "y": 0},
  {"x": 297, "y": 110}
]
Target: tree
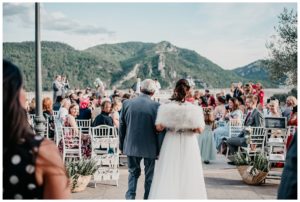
[{"x": 283, "y": 49}]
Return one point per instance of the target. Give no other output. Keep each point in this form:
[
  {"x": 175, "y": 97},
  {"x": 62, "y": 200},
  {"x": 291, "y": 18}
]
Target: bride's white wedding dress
[{"x": 178, "y": 172}]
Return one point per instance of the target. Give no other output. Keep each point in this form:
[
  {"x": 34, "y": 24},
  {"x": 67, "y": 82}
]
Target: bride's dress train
[{"x": 178, "y": 172}]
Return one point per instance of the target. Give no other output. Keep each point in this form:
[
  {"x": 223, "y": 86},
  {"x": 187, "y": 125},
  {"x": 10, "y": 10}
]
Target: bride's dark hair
[{"x": 181, "y": 89}]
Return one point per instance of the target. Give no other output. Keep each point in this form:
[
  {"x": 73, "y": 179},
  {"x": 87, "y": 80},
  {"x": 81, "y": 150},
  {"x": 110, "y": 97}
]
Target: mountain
[
  {"x": 257, "y": 72},
  {"x": 119, "y": 64}
]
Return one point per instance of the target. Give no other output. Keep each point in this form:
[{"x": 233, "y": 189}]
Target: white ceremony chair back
[
  {"x": 55, "y": 114},
  {"x": 105, "y": 143},
  {"x": 84, "y": 124},
  {"x": 71, "y": 143},
  {"x": 235, "y": 127},
  {"x": 58, "y": 131},
  {"x": 256, "y": 141},
  {"x": 104, "y": 131},
  {"x": 276, "y": 144},
  {"x": 104, "y": 137}
]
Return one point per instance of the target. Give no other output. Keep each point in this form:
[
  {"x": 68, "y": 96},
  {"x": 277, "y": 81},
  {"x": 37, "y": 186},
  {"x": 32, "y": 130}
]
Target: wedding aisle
[{"x": 222, "y": 182}]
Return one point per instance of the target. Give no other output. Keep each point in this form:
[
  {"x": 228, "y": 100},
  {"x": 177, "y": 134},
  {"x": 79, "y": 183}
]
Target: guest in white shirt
[{"x": 64, "y": 110}]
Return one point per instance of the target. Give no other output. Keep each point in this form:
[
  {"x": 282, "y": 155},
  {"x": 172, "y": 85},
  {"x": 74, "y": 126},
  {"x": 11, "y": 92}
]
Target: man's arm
[
  {"x": 122, "y": 128},
  {"x": 259, "y": 119},
  {"x": 55, "y": 88}
]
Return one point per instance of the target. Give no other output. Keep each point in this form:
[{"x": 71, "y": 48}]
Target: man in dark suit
[
  {"x": 254, "y": 118},
  {"x": 288, "y": 184},
  {"x": 138, "y": 138}
]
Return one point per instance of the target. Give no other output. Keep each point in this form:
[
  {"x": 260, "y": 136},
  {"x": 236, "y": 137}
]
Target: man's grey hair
[{"x": 148, "y": 86}]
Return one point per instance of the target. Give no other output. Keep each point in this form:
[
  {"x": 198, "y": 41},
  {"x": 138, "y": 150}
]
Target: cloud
[{"x": 54, "y": 21}]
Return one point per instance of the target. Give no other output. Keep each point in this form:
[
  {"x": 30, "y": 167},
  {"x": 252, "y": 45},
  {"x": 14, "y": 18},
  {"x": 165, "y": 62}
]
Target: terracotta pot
[{"x": 81, "y": 182}]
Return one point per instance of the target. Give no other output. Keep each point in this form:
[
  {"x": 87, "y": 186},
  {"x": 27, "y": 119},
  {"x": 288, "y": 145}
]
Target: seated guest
[
  {"x": 64, "y": 110},
  {"x": 79, "y": 96},
  {"x": 260, "y": 93},
  {"x": 266, "y": 110},
  {"x": 48, "y": 115},
  {"x": 293, "y": 121},
  {"x": 233, "y": 111},
  {"x": 32, "y": 106},
  {"x": 211, "y": 101},
  {"x": 241, "y": 104},
  {"x": 104, "y": 118},
  {"x": 254, "y": 118},
  {"x": 203, "y": 101},
  {"x": 197, "y": 95},
  {"x": 70, "y": 121},
  {"x": 116, "y": 107},
  {"x": 293, "y": 118},
  {"x": 291, "y": 102},
  {"x": 74, "y": 98},
  {"x": 57, "y": 104},
  {"x": 273, "y": 109},
  {"x": 236, "y": 89},
  {"x": 95, "y": 107},
  {"x": 84, "y": 111},
  {"x": 220, "y": 110},
  {"x": 232, "y": 114}
]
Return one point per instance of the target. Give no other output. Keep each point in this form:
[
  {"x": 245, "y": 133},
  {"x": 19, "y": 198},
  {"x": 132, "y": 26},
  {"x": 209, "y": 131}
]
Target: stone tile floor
[{"x": 222, "y": 182}]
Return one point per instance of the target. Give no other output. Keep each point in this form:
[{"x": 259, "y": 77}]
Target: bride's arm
[
  {"x": 198, "y": 130},
  {"x": 159, "y": 127}
]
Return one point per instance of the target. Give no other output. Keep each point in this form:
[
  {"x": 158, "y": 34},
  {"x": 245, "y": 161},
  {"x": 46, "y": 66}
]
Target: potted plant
[
  {"x": 80, "y": 173},
  {"x": 252, "y": 170}
]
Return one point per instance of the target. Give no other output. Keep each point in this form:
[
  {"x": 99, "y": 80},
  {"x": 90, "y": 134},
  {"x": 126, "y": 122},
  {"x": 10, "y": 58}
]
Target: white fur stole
[{"x": 180, "y": 116}]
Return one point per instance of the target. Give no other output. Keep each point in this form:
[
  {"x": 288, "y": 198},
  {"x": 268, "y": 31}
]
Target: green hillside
[
  {"x": 118, "y": 64},
  {"x": 257, "y": 72}
]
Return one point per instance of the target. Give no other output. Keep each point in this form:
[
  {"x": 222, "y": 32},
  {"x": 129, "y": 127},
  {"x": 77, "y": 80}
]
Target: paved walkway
[{"x": 222, "y": 182}]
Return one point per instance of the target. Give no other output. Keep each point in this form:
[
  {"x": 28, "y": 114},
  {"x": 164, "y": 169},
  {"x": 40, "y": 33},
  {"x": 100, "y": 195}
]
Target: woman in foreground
[{"x": 32, "y": 166}]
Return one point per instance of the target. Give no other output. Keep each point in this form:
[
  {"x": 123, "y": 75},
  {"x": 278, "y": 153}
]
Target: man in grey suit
[
  {"x": 138, "y": 138},
  {"x": 57, "y": 88},
  {"x": 254, "y": 118}
]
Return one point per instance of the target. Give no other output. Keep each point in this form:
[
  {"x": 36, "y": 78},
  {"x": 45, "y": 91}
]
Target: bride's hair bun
[{"x": 181, "y": 89}]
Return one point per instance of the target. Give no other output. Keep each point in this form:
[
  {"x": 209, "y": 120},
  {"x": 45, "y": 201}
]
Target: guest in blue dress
[{"x": 206, "y": 141}]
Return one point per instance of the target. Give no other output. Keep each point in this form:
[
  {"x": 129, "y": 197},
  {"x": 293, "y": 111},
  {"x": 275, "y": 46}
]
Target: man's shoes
[
  {"x": 206, "y": 162},
  {"x": 231, "y": 163}
]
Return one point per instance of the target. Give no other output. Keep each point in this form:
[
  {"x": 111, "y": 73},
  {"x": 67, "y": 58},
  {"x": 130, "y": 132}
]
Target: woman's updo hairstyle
[{"x": 181, "y": 90}]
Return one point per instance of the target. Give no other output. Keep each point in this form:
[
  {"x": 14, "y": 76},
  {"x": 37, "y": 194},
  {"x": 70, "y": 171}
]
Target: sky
[{"x": 229, "y": 34}]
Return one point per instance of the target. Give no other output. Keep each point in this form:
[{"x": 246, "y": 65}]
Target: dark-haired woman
[
  {"x": 178, "y": 172},
  {"x": 233, "y": 114},
  {"x": 220, "y": 110},
  {"x": 32, "y": 166}
]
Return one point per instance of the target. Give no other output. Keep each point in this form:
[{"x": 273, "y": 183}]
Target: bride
[{"x": 178, "y": 172}]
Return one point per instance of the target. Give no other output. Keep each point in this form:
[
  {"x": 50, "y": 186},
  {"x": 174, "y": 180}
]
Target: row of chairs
[
  {"x": 270, "y": 142},
  {"x": 104, "y": 143}
]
